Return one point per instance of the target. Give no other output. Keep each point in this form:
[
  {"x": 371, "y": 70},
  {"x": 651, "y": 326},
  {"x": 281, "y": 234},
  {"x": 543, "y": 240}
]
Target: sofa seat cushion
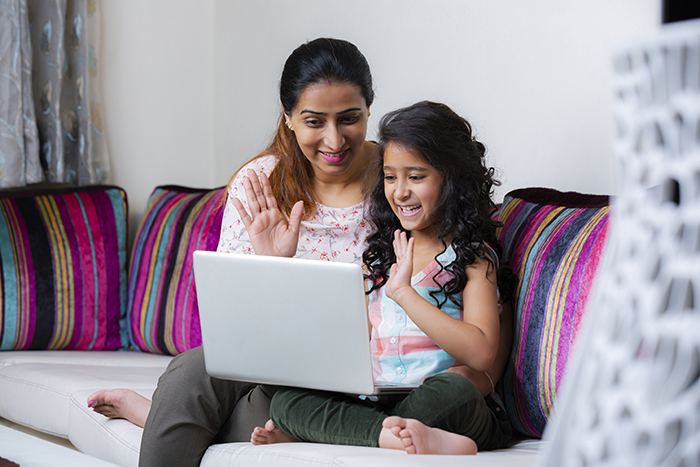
[
  {"x": 308, "y": 454},
  {"x": 112, "y": 358},
  {"x": 38, "y": 395},
  {"x": 113, "y": 440},
  {"x": 119, "y": 441}
]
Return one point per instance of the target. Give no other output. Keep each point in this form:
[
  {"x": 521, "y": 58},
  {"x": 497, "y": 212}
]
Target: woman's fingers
[
  {"x": 270, "y": 200},
  {"x": 242, "y": 213},
  {"x": 295, "y": 217},
  {"x": 254, "y": 193}
]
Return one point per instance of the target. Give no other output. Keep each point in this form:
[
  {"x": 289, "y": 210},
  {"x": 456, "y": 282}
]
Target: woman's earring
[{"x": 289, "y": 125}]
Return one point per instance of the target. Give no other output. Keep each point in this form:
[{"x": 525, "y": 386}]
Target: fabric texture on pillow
[
  {"x": 63, "y": 269},
  {"x": 162, "y": 312},
  {"x": 554, "y": 242}
]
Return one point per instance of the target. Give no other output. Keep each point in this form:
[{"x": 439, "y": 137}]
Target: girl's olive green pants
[{"x": 448, "y": 401}]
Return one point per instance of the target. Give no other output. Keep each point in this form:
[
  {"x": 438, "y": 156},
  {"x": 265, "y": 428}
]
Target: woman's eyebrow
[{"x": 313, "y": 112}]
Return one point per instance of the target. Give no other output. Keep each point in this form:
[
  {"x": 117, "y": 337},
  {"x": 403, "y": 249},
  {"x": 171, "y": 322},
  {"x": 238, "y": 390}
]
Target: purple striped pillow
[
  {"x": 554, "y": 242},
  {"x": 162, "y": 312},
  {"x": 63, "y": 269}
]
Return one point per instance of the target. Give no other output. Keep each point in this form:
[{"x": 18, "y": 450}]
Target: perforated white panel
[{"x": 633, "y": 394}]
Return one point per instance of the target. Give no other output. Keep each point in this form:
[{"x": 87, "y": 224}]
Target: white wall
[
  {"x": 156, "y": 65},
  {"x": 190, "y": 86},
  {"x": 531, "y": 76}
]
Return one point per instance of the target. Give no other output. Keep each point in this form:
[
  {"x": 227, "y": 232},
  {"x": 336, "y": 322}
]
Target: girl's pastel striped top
[{"x": 401, "y": 351}]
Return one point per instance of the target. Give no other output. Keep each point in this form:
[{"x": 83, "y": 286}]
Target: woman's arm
[{"x": 472, "y": 341}]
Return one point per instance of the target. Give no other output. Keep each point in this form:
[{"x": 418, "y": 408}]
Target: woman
[{"x": 311, "y": 207}]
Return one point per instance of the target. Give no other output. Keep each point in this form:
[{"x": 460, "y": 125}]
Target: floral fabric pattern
[{"x": 333, "y": 234}]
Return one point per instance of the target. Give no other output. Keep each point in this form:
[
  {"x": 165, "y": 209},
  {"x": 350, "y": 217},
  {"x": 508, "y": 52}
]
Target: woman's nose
[{"x": 334, "y": 138}]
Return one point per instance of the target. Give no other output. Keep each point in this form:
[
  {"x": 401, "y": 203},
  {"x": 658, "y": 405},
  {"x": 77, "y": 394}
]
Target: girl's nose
[
  {"x": 402, "y": 191},
  {"x": 334, "y": 139}
]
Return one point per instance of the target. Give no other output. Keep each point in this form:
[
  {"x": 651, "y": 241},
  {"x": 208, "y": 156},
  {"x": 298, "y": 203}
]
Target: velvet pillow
[
  {"x": 554, "y": 242},
  {"x": 63, "y": 269},
  {"x": 162, "y": 312}
]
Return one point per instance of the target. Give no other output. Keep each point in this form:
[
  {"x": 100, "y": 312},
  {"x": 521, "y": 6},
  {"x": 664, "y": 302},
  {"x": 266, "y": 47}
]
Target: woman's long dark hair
[{"x": 444, "y": 140}]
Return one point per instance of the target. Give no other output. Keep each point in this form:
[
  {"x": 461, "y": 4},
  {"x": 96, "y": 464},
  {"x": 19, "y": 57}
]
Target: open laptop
[{"x": 284, "y": 321}]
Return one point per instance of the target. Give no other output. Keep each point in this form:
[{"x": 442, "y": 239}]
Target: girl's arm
[
  {"x": 472, "y": 341},
  {"x": 505, "y": 342}
]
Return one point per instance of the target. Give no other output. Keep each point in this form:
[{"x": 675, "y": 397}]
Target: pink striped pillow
[
  {"x": 62, "y": 268},
  {"x": 162, "y": 312},
  {"x": 554, "y": 242}
]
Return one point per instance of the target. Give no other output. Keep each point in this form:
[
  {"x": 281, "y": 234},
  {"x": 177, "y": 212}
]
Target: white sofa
[
  {"x": 48, "y": 391},
  {"x": 552, "y": 239}
]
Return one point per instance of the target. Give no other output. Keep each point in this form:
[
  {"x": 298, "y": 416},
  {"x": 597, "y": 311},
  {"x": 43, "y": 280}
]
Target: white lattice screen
[{"x": 633, "y": 395}]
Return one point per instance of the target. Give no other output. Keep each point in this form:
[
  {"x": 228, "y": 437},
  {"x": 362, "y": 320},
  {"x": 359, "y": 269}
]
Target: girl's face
[
  {"x": 411, "y": 186},
  {"x": 330, "y": 123}
]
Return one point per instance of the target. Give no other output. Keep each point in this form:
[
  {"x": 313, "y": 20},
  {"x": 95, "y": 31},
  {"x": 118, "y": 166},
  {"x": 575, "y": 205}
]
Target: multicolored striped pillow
[
  {"x": 554, "y": 242},
  {"x": 162, "y": 312},
  {"x": 63, "y": 269}
]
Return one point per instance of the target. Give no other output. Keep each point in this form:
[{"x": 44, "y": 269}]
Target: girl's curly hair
[{"x": 444, "y": 140}]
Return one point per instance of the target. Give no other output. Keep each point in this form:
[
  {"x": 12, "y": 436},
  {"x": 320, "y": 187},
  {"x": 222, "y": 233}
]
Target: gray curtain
[{"x": 50, "y": 116}]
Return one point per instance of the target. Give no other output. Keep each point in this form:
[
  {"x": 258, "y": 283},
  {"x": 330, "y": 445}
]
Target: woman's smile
[{"x": 334, "y": 157}]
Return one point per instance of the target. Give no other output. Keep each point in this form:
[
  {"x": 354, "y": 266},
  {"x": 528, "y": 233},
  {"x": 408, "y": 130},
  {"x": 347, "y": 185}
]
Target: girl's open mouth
[{"x": 409, "y": 211}]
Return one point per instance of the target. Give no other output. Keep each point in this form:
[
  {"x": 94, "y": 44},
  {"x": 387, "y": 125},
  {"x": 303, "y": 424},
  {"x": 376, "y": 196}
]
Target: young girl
[{"x": 433, "y": 301}]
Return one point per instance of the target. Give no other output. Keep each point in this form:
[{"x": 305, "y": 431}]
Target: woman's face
[{"x": 330, "y": 124}]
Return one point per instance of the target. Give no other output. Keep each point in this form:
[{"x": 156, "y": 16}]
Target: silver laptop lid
[{"x": 284, "y": 321}]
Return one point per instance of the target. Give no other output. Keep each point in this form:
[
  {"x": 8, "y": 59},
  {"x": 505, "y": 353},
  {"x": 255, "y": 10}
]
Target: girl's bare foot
[
  {"x": 420, "y": 439},
  {"x": 270, "y": 435},
  {"x": 121, "y": 403}
]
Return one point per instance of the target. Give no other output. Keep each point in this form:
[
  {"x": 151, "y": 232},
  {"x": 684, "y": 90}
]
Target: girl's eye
[
  {"x": 389, "y": 178},
  {"x": 416, "y": 178}
]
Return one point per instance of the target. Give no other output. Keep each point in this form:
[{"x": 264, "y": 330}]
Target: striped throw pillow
[
  {"x": 63, "y": 269},
  {"x": 162, "y": 312},
  {"x": 554, "y": 242}
]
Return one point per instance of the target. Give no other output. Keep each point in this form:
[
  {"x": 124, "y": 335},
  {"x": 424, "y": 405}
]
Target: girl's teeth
[{"x": 409, "y": 209}]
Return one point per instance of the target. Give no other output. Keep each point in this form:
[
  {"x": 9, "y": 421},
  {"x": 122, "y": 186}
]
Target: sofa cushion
[
  {"x": 162, "y": 313},
  {"x": 554, "y": 242},
  {"x": 38, "y": 395},
  {"x": 63, "y": 268}
]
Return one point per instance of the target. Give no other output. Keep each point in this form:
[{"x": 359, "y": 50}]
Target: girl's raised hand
[
  {"x": 268, "y": 230},
  {"x": 401, "y": 272}
]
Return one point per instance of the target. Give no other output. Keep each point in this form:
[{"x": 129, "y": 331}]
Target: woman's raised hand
[
  {"x": 267, "y": 228},
  {"x": 401, "y": 271}
]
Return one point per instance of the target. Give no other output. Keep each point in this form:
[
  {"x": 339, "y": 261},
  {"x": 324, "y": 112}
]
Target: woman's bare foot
[
  {"x": 270, "y": 435},
  {"x": 121, "y": 403},
  {"x": 420, "y": 439}
]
